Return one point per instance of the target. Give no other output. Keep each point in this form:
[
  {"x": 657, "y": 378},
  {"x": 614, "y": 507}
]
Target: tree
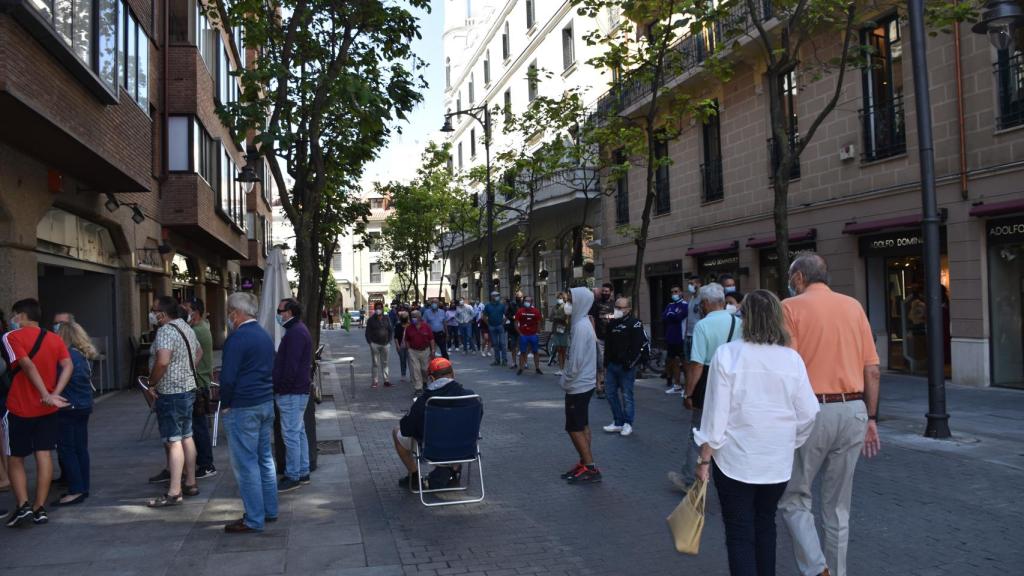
[
  {"x": 647, "y": 61},
  {"x": 325, "y": 83}
]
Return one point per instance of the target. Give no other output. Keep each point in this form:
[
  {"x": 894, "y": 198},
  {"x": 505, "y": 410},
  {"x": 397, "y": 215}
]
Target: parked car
[{"x": 357, "y": 317}]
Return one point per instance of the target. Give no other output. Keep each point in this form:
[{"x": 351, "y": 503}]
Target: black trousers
[
  {"x": 440, "y": 338},
  {"x": 748, "y": 511},
  {"x": 203, "y": 440}
]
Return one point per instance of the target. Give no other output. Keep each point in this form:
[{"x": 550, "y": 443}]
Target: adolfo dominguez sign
[
  {"x": 904, "y": 242},
  {"x": 1005, "y": 231}
]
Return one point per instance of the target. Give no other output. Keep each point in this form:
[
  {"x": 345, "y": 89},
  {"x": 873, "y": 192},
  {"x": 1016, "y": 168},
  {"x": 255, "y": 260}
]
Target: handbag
[{"x": 687, "y": 520}]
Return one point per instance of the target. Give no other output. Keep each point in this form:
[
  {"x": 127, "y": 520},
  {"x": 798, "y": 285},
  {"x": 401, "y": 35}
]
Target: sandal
[
  {"x": 165, "y": 500},
  {"x": 190, "y": 490}
]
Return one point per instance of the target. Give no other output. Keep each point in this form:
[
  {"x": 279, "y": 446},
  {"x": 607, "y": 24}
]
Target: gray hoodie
[{"x": 580, "y": 374}]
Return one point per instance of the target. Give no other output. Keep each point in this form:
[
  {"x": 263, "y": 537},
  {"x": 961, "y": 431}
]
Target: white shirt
[{"x": 758, "y": 410}]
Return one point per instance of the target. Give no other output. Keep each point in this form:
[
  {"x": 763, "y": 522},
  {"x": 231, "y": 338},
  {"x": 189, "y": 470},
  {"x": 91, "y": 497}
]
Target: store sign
[
  {"x": 1005, "y": 231},
  {"x": 664, "y": 268},
  {"x": 908, "y": 242},
  {"x": 771, "y": 255},
  {"x": 717, "y": 262}
]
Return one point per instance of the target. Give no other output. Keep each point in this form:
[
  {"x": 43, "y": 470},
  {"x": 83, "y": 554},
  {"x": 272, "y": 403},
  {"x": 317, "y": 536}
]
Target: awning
[
  {"x": 982, "y": 210},
  {"x": 714, "y": 248},
  {"x": 870, "y": 226},
  {"x": 794, "y": 236}
]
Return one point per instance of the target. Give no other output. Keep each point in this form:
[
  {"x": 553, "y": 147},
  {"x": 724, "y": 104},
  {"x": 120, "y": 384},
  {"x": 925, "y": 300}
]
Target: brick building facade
[
  {"x": 117, "y": 178},
  {"x": 856, "y": 198}
]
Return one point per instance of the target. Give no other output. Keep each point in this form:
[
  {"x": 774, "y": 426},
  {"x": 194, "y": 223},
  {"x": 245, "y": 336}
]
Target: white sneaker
[
  {"x": 612, "y": 428},
  {"x": 559, "y": 373},
  {"x": 674, "y": 390},
  {"x": 626, "y": 429}
]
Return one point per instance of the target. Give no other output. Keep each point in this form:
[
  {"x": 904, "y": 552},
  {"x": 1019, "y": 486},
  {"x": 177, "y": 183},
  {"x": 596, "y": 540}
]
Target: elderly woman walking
[{"x": 758, "y": 410}]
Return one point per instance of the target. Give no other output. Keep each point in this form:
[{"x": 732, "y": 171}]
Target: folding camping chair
[
  {"x": 143, "y": 384},
  {"x": 451, "y": 435}
]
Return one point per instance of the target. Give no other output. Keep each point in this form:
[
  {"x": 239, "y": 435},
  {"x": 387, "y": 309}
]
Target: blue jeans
[
  {"x": 73, "y": 449},
  {"x": 499, "y": 343},
  {"x": 466, "y": 336},
  {"x": 250, "y": 430},
  {"x": 617, "y": 377},
  {"x": 293, "y": 432},
  {"x": 403, "y": 358}
]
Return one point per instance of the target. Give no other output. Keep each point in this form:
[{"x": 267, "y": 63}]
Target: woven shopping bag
[{"x": 687, "y": 520}]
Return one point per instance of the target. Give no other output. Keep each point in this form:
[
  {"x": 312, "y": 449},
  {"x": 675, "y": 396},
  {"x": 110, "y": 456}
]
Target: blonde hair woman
[{"x": 73, "y": 445}]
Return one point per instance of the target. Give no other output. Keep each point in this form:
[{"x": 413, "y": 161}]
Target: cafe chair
[
  {"x": 143, "y": 384},
  {"x": 451, "y": 435}
]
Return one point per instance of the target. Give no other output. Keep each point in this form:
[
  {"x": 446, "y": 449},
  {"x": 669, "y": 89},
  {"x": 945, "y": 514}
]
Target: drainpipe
[
  {"x": 163, "y": 99},
  {"x": 958, "y": 72}
]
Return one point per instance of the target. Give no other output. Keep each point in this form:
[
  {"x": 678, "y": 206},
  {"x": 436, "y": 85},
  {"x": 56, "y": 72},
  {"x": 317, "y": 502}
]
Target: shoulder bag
[
  {"x": 702, "y": 384},
  {"x": 7, "y": 379},
  {"x": 201, "y": 407}
]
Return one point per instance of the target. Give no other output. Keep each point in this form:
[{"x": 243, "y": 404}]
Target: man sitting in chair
[{"x": 440, "y": 382}]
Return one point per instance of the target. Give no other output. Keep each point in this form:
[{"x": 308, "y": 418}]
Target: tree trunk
[
  {"x": 645, "y": 221},
  {"x": 781, "y": 216},
  {"x": 307, "y": 255}
]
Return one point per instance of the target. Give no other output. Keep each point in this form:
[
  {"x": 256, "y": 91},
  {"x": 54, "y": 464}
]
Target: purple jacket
[{"x": 294, "y": 360}]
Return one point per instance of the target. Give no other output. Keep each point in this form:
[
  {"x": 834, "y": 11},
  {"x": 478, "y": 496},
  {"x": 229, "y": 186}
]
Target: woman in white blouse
[{"x": 758, "y": 410}]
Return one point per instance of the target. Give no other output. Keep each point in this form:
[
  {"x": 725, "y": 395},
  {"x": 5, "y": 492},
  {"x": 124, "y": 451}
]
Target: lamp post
[
  {"x": 938, "y": 419},
  {"x": 481, "y": 114},
  {"x": 1000, "y": 20}
]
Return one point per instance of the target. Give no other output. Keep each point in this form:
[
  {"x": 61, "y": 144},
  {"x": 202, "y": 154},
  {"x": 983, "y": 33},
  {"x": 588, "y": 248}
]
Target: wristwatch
[{"x": 873, "y": 417}]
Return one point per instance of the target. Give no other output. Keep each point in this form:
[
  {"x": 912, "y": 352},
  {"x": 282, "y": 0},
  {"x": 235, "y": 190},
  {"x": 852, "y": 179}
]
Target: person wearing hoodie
[
  {"x": 442, "y": 382},
  {"x": 579, "y": 378}
]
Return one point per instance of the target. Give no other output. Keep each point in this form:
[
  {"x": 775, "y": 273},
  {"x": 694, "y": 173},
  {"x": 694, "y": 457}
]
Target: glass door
[{"x": 907, "y": 314}]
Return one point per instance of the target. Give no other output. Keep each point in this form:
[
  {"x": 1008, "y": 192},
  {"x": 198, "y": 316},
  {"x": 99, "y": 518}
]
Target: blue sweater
[
  {"x": 247, "y": 365},
  {"x": 79, "y": 389},
  {"x": 294, "y": 361}
]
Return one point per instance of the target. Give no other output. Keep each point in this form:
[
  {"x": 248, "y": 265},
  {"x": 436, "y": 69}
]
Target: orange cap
[{"x": 438, "y": 365}]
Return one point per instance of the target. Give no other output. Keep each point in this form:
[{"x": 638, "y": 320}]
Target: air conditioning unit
[{"x": 848, "y": 152}]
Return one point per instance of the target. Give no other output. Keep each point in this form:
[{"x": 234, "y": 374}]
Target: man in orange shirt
[{"x": 832, "y": 335}]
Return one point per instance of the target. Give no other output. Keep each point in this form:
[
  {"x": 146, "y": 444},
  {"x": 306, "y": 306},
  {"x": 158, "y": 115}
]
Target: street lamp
[
  {"x": 481, "y": 114},
  {"x": 248, "y": 176},
  {"x": 938, "y": 419},
  {"x": 1000, "y": 21}
]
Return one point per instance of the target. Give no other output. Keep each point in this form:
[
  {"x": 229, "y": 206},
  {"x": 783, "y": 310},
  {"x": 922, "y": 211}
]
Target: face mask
[
  {"x": 495, "y": 298},
  {"x": 691, "y": 289},
  {"x": 730, "y": 308},
  {"x": 676, "y": 297},
  {"x": 528, "y": 304},
  {"x": 14, "y": 324},
  {"x": 433, "y": 306},
  {"x": 730, "y": 289},
  {"x": 378, "y": 311},
  {"x": 280, "y": 319},
  {"x": 567, "y": 308},
  {"x": 618, "y": 314},
  {"x": 231, "y": 325},
  {"x": 560, "y": 301},
  {"x": 153, "y": 321},
  {"x": 56, "y": 327},
  {"x": 792, "y": 290}
]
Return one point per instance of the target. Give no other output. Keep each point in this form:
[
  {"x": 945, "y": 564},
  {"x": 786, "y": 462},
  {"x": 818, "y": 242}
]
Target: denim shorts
[
  {"x": 174, "y": 415},
  {"x": 531, "y": 342}
]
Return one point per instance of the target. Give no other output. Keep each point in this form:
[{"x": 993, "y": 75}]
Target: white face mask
[
  {"x": 730, "y": 308},
  {"x": 567, "y": 308},
  {"x": 153, "y": 319},
  {"x": 560, "y": 301},
  {"x": 527, "y": 304},
  {"x": 618, "y": 314}
]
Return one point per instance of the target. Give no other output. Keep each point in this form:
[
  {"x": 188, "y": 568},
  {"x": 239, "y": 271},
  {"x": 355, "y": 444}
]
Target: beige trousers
[{"x": 418, "y": 360}]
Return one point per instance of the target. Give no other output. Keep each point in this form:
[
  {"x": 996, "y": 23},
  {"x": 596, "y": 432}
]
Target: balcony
[
  {"x": 689, "y": 53},
  {"x": 1009, "y": 72},
  {"x": 713, "y": 183},
  {"x": 776, "y": 157},
  {"x": 885, "y": 129}
]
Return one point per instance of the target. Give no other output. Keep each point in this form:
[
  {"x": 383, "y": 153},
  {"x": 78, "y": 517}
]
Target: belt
[{"x": 840, "y": 397}]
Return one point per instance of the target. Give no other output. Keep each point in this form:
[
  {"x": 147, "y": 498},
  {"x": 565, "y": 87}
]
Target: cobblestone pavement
[{"x": 922, "y": 507}]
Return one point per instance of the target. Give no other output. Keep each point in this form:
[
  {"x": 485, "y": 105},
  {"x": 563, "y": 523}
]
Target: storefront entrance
[
  {"x": 711, "y": 267},
  {"x": 896, "y": 300},
  {"x": 661, "y": 276},
  {"x": 1006, "y": 298}
]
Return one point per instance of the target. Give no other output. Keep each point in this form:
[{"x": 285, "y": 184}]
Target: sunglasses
[{"x": 281, "y": 310}]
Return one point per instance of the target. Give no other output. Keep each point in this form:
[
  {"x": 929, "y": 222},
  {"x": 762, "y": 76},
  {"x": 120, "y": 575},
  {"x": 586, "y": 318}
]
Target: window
[
  {"x": 472, "y": 143},
  {"x": 207, "y": 155},
  {"x": 374, "y": 272},
  {"x": 458, "y": 101},
  {"x": 508, "y": 106},
  {"x": 134, "y": 48},
  {"x": 377, "y": 203},
  {"x": 568, "y": 48},
  {"x": 472, "y": 89},
  {"x": 662, "y": 199},
  {"x": 250, "y": 225},
  {"x": 435, "y": 271},
  {"x": 265, "y": 234},
  {"x": 530, "y": 15},
  {"x": 787, "y": 93},
  {"x": 506, "y": 49},
  {"x": 206, "y": 39},
  {"x": 487, "y": 68},
  {"x": 460, "y": 155},
  {"x": 178, "y": 143},
  {"x": 621, "y": 191},
  {"x": 711, "y": 169},
  {"x": 532, "y": 81},
  {"x": 1010, "y": 86},
  {"x": 336, "y": 262},
  {"x": 447, "y": 73},
  {"x": 89, "y": 28},
  {"x": 883, "y": 116}
]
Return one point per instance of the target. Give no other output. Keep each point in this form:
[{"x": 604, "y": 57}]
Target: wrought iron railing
[
  {"x": 711, "y": 175},
  {"x": 885, "y": 129}
]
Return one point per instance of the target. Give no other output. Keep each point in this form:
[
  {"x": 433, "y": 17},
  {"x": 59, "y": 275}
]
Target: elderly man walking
[
  {"x": 716, "y": 327},
  {"x": 833, "y": 336},
  {"x": 247, "y": 398},
  {"x": 292, "y": 372},
  {"x": 420, "y": 341},
  {"x": 379, "y": 332}
]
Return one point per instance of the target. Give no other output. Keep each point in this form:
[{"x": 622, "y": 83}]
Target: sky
[{"x": 399, "y": 160}]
